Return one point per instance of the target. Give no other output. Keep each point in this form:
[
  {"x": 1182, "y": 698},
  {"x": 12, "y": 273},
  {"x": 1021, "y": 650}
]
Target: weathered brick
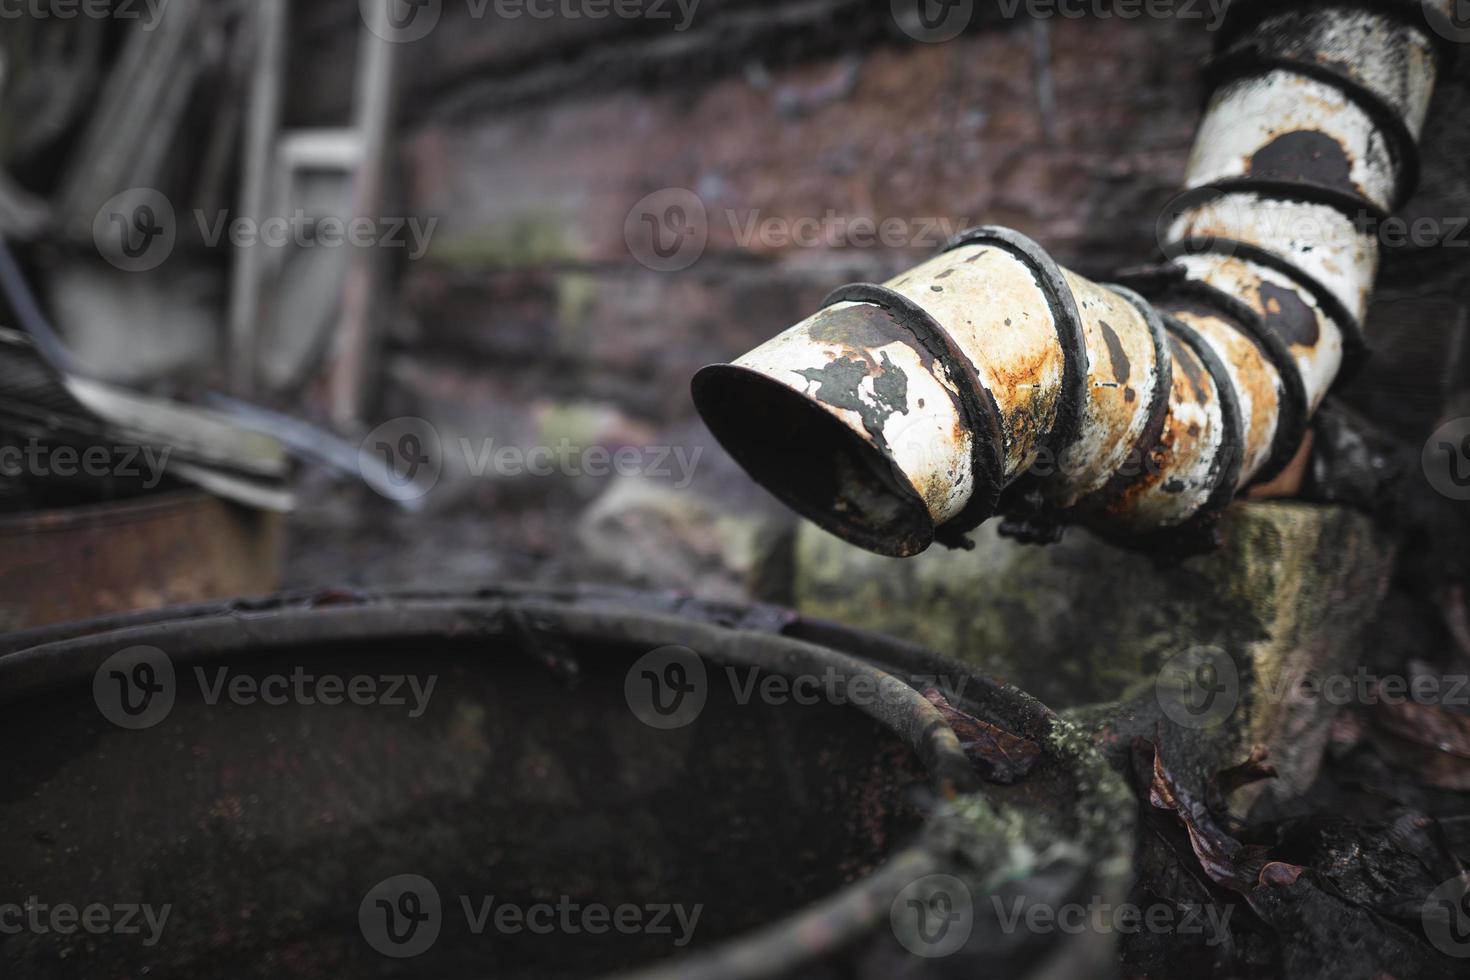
[{"x": 948, "y": 131}]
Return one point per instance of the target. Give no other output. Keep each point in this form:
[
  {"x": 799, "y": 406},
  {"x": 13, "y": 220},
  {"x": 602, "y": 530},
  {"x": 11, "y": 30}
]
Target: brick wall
[{"x": 530, "y": 141}]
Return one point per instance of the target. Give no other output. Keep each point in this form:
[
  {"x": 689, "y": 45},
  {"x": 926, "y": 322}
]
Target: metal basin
[{"x": 492, "y": 786}]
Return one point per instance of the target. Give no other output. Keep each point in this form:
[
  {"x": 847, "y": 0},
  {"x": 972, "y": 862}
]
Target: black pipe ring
[
  {"x": 1246, "y": 60},
  {"x": 1067, "y": 426},
  {"x": 1158, "y": 405},
  {"x": 1354, "y": 207},
  {"x": 1232, "y": 458},
  {"x": 1354, "y": 343},
  {"x": 1292, "y": 411},
  {"x": 978, "y": 409},
  {"x": 1244, "y": 15}
]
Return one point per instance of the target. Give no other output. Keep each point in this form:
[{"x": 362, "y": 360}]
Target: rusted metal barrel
[
  {"x": 340, "y": 785},
  {"x": 162, "y": 549}
]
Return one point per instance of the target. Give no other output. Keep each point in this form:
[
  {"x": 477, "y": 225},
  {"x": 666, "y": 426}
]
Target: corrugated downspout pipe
[{"x": 990, "y": 381}]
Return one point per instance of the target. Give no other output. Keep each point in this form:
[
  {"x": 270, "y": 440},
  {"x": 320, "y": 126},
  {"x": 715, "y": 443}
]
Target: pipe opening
[{"x": 812, "y": 462}]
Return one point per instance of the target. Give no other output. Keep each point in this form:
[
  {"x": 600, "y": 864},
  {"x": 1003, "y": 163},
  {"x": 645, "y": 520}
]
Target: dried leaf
[
  {"x": 1227, "y": 781},
  {"x": 1430, "y": 741},
  {"x": 1279, "y": 873},
  {"x": 1426, "y": 724},
  {"x": 1225, "y": 860},
  {"x": 1001, "y": 756}
]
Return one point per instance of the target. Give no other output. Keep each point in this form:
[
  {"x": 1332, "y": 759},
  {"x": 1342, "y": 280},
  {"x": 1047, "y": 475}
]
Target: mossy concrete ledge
[{"x": 1108, "y": 633}]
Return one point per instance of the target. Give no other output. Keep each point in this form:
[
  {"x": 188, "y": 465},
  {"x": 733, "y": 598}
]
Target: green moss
[
  {"x": 576, "y": 298},
  {"x": 1106, "y": 804},
  {"x": 520, "y": 241},
  {"x": 1085, "y": 626},
  {"x": 579, "y": 423},
  {"x": 998, "y": 844}
]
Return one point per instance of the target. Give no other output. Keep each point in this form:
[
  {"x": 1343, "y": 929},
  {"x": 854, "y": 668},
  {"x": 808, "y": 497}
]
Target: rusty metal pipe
[{"x": 990, "y": 381}]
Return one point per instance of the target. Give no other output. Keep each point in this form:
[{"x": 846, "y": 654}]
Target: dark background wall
[{"x": 532, "y": 140}]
